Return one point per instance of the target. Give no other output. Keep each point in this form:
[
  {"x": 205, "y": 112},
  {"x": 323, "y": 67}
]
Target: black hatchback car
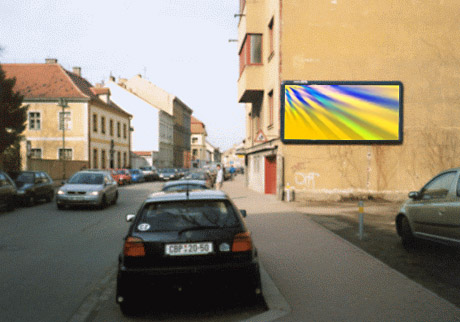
[
  {"x": 186, "y": 241},
  {"x": 7, "y": 192},
  {"x": 33, "y": 186}
]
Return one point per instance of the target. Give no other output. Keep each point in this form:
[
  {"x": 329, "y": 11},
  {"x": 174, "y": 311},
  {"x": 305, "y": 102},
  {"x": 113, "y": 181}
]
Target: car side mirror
[
  {"x": 130, "y": 217},
  {"x": 414, "y": 195},
  {"x": 243, "y": 213}
]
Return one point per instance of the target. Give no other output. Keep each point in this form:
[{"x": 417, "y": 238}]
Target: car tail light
[
  {"x": 242, "y": 242},
  {"x": 134, "y": 247}
]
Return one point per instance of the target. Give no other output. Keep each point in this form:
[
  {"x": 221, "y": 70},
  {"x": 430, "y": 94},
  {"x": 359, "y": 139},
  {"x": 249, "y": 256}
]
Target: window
[
  {"x": 65, "y": 154},
  {"x": 102, "y": 125},
  {"x": 65, "y": 119},
  {"x": 125, "y": 164},
  {"x": 270, "y": 38},
  {"x": 118, "y": 159},
  {"x": 34, "y": 121},
  {"x": 124, "y": 131},
  {"x": 94, "y": 122},
  {"x": 270, "y": 107},
  {"x": 102, "y": 159},
  {"x": 194, "y": 140},
  {"x": 439, "y": 186},
  {"x": 118, "y": 129},
  {"x": 95, "y": 165},
  {"x": 36, "y": 153},
  {"x": 251, "y": 51},
  {"x": 111, "y": 127}
]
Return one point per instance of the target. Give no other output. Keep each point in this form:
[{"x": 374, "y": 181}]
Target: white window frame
[
  {"x": 32, "y": 156},
  {"x": 35, "y": 121},
  {"x": 68, "y": 122},
  {"x": 71, "y": 152}
]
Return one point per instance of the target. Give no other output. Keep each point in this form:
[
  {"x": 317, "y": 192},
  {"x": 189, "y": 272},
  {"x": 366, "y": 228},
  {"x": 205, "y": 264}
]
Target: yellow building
[
  {"x": 304, "y": 40},
  {"x": 89, "y": 128}
]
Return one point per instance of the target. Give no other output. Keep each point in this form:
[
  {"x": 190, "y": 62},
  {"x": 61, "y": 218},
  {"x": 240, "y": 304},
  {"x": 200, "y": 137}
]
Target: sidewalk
[{"x": 325, "y": 278}]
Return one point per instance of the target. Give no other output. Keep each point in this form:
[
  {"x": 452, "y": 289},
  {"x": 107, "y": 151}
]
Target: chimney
[
  {"x": 51, "y": 60},
  {"x": 112, "y": 79},
  {"x": 77, "y": 71}
]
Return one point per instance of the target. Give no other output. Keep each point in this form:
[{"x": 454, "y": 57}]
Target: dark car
[
  {"x": 33, "y": 186},
  {"x": 168, "y": 174},
  {"x": 7, "y": 192},
  {"x": 186, "y": 241},
  {"x": 184, "y": 185},
  {"x": 433, "y": 212},
  {"x": 200, "y": 175}
]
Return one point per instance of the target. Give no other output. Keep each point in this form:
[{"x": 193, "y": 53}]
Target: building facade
[
  {"x": 69, "y": 118},
  {"x": 198, "y": 142},
  {"x": 172, "y": 105},
  {"x": 349, "y": 41},
  {"x": 152, "y": 128}
]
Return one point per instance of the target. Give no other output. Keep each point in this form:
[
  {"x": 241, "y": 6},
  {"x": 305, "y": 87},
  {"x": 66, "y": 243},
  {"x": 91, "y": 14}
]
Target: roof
[
  {"x": 43, "y": 81},
  {"x": 196, "y": 126},
  {"x": 52, "y": 81},
  {"x": 101, "y": 90},
  {"x": 143, "y": 153},
  {"x": 192, "y": 195}
]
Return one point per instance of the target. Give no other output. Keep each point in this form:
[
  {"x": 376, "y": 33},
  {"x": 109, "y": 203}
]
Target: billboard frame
[{"x": 341, "y": 142}]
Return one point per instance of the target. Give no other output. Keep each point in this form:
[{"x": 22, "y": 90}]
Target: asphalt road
[{"x": 52, "y": 259}]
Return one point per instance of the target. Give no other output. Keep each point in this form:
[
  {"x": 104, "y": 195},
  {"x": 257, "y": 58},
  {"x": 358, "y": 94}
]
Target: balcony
[{"x": 251, "y": 84}]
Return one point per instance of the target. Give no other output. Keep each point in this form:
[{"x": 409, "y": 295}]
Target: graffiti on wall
[{"x": 305, "y": 180}]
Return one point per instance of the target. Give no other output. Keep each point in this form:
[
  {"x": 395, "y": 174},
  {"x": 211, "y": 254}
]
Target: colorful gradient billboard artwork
[{"x": 341, "y": 112}]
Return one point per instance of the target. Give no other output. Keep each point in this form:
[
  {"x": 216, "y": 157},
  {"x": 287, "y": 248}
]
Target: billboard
[{"x": 341, "y": 112}]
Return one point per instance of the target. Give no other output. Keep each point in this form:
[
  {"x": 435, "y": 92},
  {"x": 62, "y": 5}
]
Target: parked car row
[{"x": 25, "y": 188}]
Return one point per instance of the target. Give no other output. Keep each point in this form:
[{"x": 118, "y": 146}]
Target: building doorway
[{"x": 270, "y": 175}]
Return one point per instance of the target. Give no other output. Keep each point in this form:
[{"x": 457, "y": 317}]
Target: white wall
[{"x": 146, "y": 120}]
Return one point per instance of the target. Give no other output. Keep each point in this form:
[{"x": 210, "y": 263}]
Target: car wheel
[
  {"x": 115, "y": 199},
  {"x": 407, "y": 237},
  {"x": 11, "y": 205},
  {"x": 30, "y": 201},
  {"x": 129, "y": 307},
  {"x": 50, "y": 196},
  {"x": 103, "y": 202}
]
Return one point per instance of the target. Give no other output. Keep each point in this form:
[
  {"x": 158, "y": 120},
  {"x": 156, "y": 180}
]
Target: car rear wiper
[{"x": 198, "y": 228}]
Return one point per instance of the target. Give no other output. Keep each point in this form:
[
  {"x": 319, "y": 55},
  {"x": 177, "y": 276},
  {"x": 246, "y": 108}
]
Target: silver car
[
  {"x": 432, "y": 213},
  {"x": 90, "y": 187}
]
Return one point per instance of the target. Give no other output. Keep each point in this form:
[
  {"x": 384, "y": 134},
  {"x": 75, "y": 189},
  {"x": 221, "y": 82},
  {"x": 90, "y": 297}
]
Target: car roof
[
  {"x": 94, "y": 171},
  {"x": 192, "y": 195}
]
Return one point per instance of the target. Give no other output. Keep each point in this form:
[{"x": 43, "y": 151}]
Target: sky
[{"x": 182, "y": 46}]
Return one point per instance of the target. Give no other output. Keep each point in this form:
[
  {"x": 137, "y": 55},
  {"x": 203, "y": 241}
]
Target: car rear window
[
  {"x": 184, "y": 187},
  {"x": 179, "y": 215},
  {"x": 27, "y": 177}
]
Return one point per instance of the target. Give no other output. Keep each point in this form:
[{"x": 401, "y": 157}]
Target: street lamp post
[{"x": 63, "y": 103}]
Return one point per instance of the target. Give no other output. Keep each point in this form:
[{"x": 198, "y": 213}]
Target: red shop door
[{"x": 270, "y": 175}]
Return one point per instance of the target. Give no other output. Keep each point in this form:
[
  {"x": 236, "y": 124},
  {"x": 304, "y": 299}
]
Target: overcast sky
[{"x": 179, "y": 45}]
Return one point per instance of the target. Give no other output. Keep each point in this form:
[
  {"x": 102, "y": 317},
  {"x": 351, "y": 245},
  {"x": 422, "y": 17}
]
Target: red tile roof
[
  {"x": 196, "y": 126},
  {"x": 143, "y": 153},
  {"x": 53, "y": 81},
  {"x": 42, "y": 81},
  {"x": 101, "y": 90}
]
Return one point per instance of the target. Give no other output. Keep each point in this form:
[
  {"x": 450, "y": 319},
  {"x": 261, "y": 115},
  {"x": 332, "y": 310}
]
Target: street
[{"x": 60, "y": 266}]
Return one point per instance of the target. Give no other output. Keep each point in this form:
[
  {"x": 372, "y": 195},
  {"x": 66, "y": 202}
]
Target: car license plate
[{"x": 188, "y": 249}]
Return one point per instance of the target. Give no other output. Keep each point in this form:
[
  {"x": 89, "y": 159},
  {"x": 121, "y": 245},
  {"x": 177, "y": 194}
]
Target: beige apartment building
[
  {"x": 198, "y": 143},
  {"x": 181, "y": 113},
  {"x": 89, "y": 128},
  {"x": 303, "y": 40}
]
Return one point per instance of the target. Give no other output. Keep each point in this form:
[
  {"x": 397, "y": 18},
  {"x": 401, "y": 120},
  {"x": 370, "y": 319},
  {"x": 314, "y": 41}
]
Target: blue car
[{"x": 137, "y": 175}]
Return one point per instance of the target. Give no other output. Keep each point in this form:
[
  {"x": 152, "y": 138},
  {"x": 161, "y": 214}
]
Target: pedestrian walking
[
  {"x": 232, "y": 172},
  {"x": 220, "y": 177}
]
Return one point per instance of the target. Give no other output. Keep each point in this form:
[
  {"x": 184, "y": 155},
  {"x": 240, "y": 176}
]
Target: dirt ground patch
[{"x": 434, "y": 266}]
